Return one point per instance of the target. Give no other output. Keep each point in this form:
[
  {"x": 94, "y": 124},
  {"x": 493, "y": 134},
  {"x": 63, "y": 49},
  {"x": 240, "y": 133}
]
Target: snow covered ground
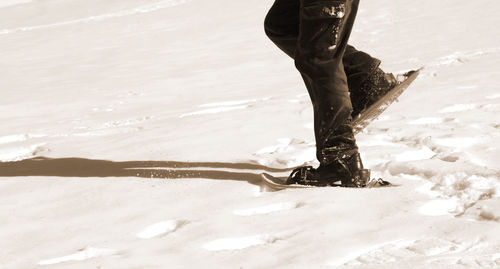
[{"x": 134, "y": 132}]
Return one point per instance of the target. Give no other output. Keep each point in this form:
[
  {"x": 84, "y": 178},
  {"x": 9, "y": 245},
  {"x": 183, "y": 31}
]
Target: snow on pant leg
[{"x": 324, "y": 29}]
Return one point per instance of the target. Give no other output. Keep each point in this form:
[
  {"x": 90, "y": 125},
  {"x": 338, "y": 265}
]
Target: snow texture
[{"x": 134, "y": 133}]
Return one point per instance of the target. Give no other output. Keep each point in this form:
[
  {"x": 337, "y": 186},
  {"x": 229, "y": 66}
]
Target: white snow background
[{"x": 149, "y": 122}]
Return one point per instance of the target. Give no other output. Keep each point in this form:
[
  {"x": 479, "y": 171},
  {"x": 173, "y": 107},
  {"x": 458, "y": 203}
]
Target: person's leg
[
  {"x": 358, "y": 66},
  {"x": 324, "y": 29},
  {"x": 282, "y": 27},
  {"x": 315, "y": 34}
]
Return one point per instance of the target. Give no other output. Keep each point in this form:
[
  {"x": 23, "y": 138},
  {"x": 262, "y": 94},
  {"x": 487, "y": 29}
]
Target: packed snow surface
[{"x": 134, "y": 133}]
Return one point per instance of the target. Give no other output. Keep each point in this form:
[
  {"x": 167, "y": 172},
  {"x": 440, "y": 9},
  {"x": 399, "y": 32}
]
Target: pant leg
[
  {"x": 315, "y": 34},
  {"x": 358, "y": 66},
  {"x": 324, "y": 30},
  {"x": 282, "y": 27}
]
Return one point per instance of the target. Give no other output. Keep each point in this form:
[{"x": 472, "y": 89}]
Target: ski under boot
[{"x": 349, "y": 171}]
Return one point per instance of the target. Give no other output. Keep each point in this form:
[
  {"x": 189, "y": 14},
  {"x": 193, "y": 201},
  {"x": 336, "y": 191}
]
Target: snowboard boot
[
  {"x": 348, "y": 170},
  {"x": 371, "y": 90}
]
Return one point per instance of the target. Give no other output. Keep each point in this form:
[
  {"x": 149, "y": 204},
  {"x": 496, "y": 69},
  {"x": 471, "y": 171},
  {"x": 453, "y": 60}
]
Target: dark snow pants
[{"x": 315, "y": 34}]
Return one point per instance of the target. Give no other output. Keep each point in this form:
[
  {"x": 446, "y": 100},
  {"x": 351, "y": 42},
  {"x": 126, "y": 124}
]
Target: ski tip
[
  {"x": 411, "y": 72},
  {"x": 279, "y": 183}
]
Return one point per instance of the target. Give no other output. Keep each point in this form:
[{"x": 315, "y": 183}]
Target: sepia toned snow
[{"x": 134, "y": 133}]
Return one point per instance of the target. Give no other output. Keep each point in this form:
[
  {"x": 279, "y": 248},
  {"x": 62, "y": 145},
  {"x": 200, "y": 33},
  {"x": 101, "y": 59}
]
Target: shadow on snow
[{"x": 80, "y": 167}]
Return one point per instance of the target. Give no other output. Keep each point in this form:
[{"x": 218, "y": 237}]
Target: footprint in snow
[
  {"x": 461, "y": 57},
  {"x": 494, "y": 96},
  {"x": 457, "y": 142},
  {"x": 439, "y": 207},
  {"x": 458, "y": 108},
  {"x": 161, "y": 229},
  {"x": 431, "y": 120},
  {"x": 81, "y": 255},
  {"x": 289, "y": 152},
  {"x": 426, "y": 120},
  {"x": 475, "y": 261},
  {"x": 220, "y": 107},
  {"x": 423, "y": 153},
  {"x": 401, "y": 250},
  {"x": 268, "y": 209},
  {"x": 236, "y": 243}
]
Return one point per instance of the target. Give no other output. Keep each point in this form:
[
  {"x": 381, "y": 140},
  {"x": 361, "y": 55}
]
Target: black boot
[
  {"x": 355, "y": 175},
  {"x": 349, "y": 171},
  {"x": 307, "y": 175},
  {"x": 371, "y": 90}
]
